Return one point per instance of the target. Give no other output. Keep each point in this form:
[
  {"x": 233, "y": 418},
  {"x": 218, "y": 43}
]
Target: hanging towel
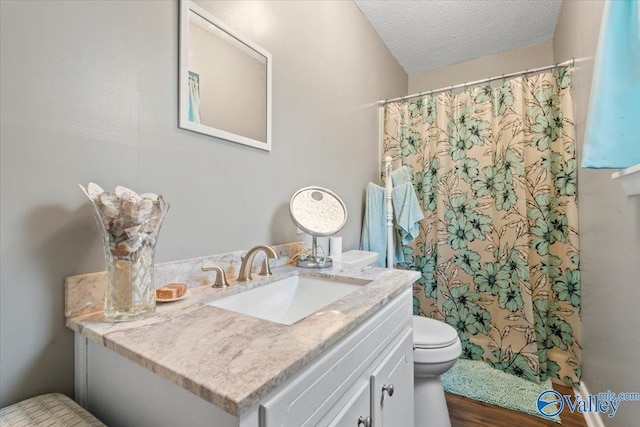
[
  {"x": 613, "y": 124},
  {"x": 407, "y": 212},
  {"x": 407, "y": 215},
  {"x": 401, "y": 175},
  {"x": 374, "y": 227}
]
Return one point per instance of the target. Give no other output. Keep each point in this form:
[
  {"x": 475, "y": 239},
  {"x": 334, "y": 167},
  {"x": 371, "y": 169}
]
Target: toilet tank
[{"x": 355, "y": 258}]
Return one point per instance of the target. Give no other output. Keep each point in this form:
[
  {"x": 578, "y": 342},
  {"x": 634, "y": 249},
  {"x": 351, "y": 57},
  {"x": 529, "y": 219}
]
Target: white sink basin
[{"x": 288, "y": 300}]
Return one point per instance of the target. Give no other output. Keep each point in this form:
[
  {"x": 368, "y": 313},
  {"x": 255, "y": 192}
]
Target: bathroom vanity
[{"x": 349, "y": 363}]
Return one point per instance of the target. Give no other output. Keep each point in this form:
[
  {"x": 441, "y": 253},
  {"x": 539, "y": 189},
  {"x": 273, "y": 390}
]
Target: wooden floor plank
[{"x": 465, "y": 412}]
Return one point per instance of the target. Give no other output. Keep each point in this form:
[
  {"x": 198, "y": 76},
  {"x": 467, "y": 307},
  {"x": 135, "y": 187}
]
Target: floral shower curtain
[{"x": 495, "y": 172}]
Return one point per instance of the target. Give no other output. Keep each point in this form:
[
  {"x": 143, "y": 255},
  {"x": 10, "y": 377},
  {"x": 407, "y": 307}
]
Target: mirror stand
[
  {"x": 318, "y": 212},
  {"x": 313, "y": 261}
]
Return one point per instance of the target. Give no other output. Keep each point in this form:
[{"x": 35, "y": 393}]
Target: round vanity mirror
[{"x": 320, "y": 213}]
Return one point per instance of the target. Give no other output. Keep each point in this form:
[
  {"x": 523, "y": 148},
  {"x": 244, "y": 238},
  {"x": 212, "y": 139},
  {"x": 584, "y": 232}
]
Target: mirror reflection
[{"x": 224, "y": 81}]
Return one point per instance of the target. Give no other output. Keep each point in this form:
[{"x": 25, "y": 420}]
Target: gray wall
[
  {"x": 89, "y": 93},
  {"x": 609, "y": 237},
  {"x": 233, "y": 97},
  {"x": 537, "y": 55}
]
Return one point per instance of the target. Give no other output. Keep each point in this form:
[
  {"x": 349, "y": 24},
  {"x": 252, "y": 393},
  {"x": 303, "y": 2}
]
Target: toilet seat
[{"x": 432, "y": 334}]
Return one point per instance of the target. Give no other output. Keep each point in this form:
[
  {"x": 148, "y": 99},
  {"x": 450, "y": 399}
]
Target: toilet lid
[{"x": 431, "y": 333}]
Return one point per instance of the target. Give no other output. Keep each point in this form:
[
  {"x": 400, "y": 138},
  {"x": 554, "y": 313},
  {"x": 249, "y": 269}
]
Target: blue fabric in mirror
[{"x": 612, "y": 138}]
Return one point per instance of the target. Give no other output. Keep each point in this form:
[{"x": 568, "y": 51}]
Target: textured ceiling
[{"x": 429, "y": 34}]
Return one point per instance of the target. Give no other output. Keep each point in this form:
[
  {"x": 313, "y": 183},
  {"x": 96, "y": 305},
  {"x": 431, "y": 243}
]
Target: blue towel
[
  {"x": 407, "y": 212},
  {"x": 613, "y": 124},
  {"x": 401, "y": 176},
  {"x": 374, "y": 227}
]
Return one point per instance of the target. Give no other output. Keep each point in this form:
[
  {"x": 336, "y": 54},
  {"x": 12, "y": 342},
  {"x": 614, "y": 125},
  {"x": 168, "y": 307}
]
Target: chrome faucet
[
  {"x": 247, "y": 262},
  {"x": 221, "y": 278}
]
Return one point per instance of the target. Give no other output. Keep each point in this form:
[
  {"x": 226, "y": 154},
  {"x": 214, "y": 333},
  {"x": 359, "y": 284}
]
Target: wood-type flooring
[{"x": 465, "y": 412}]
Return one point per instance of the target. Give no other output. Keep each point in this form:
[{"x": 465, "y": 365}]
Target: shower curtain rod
[{"x": 383, "y": 102}]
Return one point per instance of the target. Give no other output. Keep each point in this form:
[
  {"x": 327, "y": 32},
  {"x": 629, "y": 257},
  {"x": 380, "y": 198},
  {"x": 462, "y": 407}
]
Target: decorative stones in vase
[{"x": 129, "y": 224}]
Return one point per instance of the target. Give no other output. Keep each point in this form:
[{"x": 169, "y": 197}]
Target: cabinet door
[
  {"x": 356, "y": 412},
  {"x": 392, "y": 387}
]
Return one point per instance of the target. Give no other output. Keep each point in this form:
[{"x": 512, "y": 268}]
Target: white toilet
[{"x": 436, "y": 349}]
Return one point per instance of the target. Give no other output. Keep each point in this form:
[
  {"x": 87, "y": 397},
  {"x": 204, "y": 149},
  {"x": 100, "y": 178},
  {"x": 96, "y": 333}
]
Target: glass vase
[
  {"x": 129, "y": 225},
  {"x": 130, "y": 291}
]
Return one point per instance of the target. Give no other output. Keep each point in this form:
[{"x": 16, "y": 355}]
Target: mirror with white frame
[{"x": 224, "y": 81}]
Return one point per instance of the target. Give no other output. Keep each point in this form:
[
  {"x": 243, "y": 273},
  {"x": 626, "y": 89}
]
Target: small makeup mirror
[{"x": 320, "y": 213}]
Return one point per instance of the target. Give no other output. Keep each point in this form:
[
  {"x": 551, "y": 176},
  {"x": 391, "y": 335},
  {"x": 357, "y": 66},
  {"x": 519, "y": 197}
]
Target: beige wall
[
  {"x": 609, "y": 237},
  {"x": 89, "y": 93},
  {"x": 538, "y": 55}
]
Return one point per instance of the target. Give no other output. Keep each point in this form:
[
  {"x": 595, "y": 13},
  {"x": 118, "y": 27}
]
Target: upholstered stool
[{"x": 47, "y": 410}]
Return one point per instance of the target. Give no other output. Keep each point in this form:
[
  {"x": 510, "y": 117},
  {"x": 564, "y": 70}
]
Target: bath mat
[{"x": 479, "y": 381}]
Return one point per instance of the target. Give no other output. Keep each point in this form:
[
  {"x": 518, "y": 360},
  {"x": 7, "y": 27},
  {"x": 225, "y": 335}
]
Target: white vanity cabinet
[
  {"x": 391, "y": 399},
  {"x": 339, "y": 388},
  {"x": 356, "y": 410},
  {"x": 343, "y": 386},
  {"x": 375, "y": 404}
]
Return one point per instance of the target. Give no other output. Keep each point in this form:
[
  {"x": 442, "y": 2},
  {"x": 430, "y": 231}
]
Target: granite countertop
[{"x": 234, "y": 360}]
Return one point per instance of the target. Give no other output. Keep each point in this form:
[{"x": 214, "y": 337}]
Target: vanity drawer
[
  {"x": 316, "y": 393},
  {"x": 357, "y": 408}
]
